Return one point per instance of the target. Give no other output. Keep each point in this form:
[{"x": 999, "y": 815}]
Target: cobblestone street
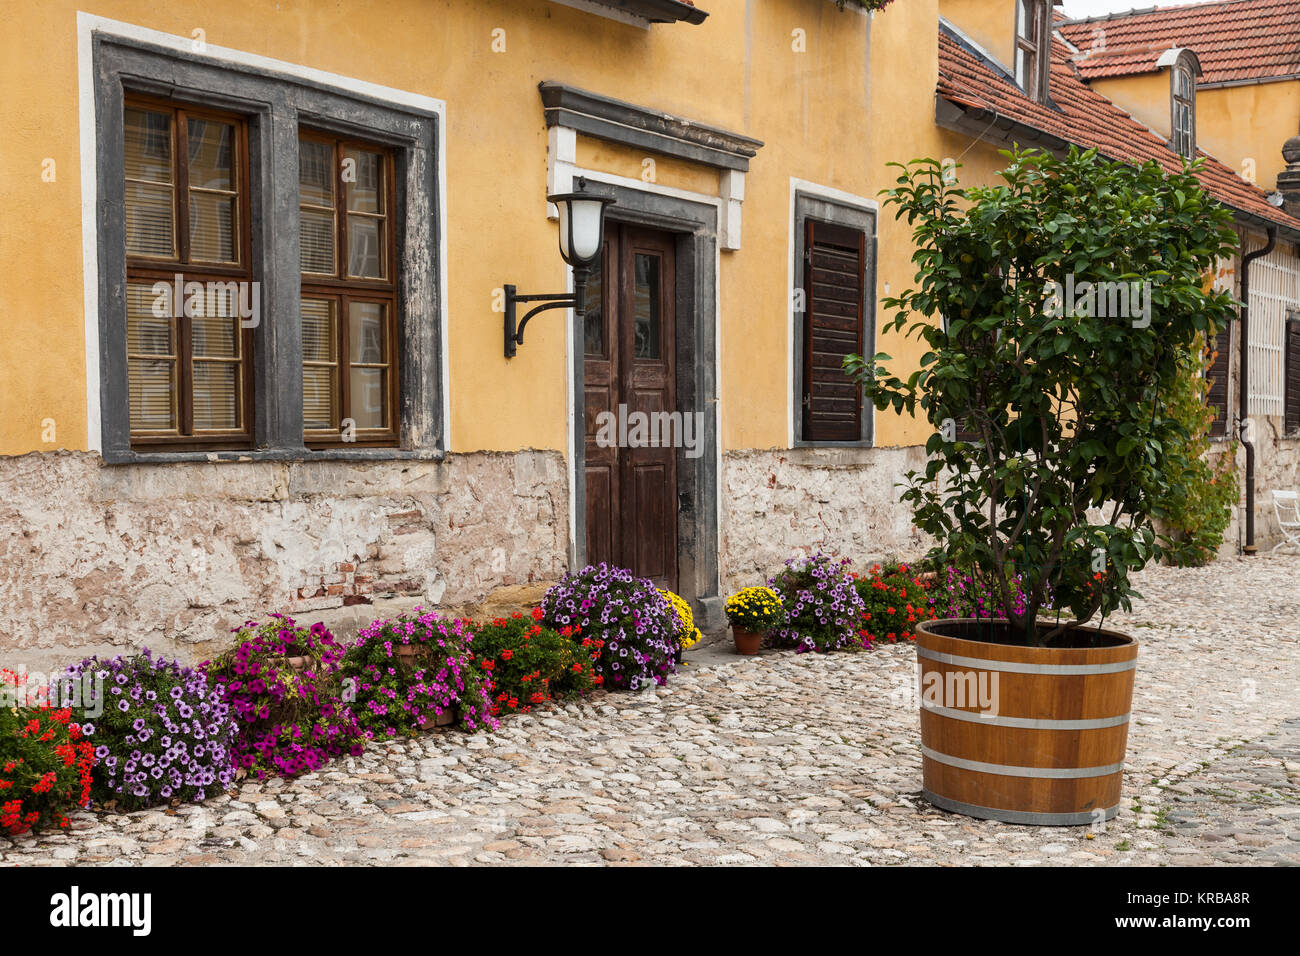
[{"x": 787, "y": 758}]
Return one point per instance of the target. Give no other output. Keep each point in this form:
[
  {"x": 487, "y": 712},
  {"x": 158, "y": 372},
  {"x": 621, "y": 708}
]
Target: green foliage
[
  {"x": 1196, "y": 507},
  {"x": 1068, "y": 406}
]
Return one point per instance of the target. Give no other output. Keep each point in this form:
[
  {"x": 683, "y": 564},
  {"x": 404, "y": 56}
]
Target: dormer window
[
  {"x": 1184, "y": 109},
  {"x": 1033, "y": 46},
  {"x": 1184, "y": 68}
]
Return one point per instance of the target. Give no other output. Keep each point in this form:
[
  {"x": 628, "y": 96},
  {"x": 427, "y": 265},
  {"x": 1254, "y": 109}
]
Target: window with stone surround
[
  {"x": 834, "y": 317},
  {"x": 321, "y": 360}
]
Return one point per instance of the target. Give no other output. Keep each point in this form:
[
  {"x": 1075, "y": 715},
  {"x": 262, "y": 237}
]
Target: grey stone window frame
[
  {"x": 275, "y": 106},
  {"x": 809, "y": 206}
]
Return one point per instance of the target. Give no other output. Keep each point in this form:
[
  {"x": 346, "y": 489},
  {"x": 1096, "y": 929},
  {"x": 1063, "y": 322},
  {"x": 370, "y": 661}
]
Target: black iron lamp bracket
[{"x": 560, "y": 300}]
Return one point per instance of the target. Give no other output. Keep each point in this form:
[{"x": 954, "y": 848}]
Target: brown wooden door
[{"x": 629, "y": 344}]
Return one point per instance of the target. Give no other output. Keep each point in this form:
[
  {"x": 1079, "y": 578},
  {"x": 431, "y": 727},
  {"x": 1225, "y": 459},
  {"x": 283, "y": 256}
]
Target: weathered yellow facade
[{"x": 834, "y": 95}]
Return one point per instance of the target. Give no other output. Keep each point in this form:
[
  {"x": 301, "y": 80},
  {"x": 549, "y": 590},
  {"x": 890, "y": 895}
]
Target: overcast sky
[{"x": 1092, "y": 8}]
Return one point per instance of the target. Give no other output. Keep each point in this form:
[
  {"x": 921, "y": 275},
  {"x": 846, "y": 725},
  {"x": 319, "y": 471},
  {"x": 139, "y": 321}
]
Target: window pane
[
  {"x": 365, "y": 247},
  {"x": 645, "y": 307},
  {"x": 315, "y": 173},
  {"x": 318, "y": 398},
  {"x": 366, "y": 339},
  {"x": 369, "y": 394},
  {"x": 593, "y": 324},
  {"x": 212, "y": 228},
  {"x": 211, "y": 154},
  {"x": 319, "y": 382},
  {"x": 216, "y": 395},
  {"x": 149, "y": 211},
  {"x": 146, "y": 333},
  {"x": 215, "y": 337},
  {"x": 318, "y": 336},
  {"x": 147, "y": 138},
  {"x": 316, "y": 242},
  {"x": 366, "y": 193},
  {"x": 151, "y": 385}
]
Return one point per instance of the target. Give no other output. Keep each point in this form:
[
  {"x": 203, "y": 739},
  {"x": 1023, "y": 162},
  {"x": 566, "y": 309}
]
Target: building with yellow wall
[{"x": 364, "y": 181}]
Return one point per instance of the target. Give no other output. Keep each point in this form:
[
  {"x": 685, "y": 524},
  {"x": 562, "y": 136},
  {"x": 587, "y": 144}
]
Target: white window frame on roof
[
  {"x": 1031, "y": 49},
  {"x": 1184, "y": 67}
]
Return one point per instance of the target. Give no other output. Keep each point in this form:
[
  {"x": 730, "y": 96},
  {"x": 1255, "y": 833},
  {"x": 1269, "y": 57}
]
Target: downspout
[{"x": 1243, "y": 402}]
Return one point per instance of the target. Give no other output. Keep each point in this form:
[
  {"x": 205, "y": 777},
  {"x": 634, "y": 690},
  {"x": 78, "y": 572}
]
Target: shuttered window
[
  {"x": 1291, "y": 358},
  {"x": 1217, "y": 373},
  {"x": 835, "y": 269},
  {"x": 349, "y": 318},
  {"x": 188, "y": 278}
]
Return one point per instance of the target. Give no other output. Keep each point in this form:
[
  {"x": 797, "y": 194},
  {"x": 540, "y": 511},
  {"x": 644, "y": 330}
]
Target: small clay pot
[
  {"x": 445, "y": 719},
  {"x": 747, "y": 641}
]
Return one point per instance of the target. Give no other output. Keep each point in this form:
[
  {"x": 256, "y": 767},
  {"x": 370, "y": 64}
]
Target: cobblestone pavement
[{"x": 787, "y": 759}]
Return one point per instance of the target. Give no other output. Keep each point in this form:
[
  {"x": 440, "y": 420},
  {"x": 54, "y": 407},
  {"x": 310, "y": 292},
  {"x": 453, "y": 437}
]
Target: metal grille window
[{"x": 1274, "y": 290}]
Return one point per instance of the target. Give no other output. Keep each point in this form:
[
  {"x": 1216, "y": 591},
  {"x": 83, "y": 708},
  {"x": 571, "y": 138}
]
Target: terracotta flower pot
[
  {"x": 445, "y": 719},
  {"x": 407, "y": 653},
  {"x": 747, "y": 641}
]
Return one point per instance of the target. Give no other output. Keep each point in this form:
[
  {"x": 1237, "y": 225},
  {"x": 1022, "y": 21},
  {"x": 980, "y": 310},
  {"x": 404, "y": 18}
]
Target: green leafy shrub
[
  {"x": 1196, "y": 506},
  {"x": 1067, "y": 405}
]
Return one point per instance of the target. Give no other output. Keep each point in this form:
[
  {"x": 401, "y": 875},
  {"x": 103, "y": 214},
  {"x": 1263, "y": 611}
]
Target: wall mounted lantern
[{"x": 582, "y": 235}]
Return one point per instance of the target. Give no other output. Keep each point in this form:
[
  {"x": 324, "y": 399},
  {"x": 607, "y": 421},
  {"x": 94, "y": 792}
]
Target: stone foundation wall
[
  {"x": 99, "y": 558},
  {"x": 841, "y": 500},
  {"x": 1277, "y": 465}
]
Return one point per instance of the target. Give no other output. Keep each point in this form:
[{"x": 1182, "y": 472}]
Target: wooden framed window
[
  {"x": 347, "y": 257},
  {"x": 1291, "y": 369},
  {"x": 1033, "y": 47},
  {"x": 835, "y": 285},
  {"x": 1183, "y": 109},
  {"x": 1217, "y": 372},
  {"x": 186, "y": 207}
]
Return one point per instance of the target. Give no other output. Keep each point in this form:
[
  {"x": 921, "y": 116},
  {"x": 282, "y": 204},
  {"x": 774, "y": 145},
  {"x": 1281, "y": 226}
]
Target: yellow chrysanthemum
[{"x": 687, "y": 634}]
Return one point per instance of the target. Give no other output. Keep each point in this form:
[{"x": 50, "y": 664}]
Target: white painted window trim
[
  {"x": 89, "y": 24},
  {"x": 843, "y": 198},
  {"x": 562, "y": 169}
]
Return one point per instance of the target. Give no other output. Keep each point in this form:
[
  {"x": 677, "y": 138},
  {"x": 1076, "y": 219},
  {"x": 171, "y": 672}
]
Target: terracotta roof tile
[
  {"x": 1235, "y": 40},
  {"x": 1085, "y": 118}
]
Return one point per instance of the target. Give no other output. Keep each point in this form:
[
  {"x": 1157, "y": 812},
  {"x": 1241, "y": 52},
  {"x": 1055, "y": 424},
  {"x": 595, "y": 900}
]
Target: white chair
[{"x": 1286, "y": 507}]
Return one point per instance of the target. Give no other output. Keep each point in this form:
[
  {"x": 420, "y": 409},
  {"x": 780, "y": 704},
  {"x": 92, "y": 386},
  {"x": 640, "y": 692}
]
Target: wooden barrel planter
[{"x": 1028, "y": 735}]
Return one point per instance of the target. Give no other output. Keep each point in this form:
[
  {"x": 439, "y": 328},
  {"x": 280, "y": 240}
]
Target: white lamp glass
[{"x": 584, "y": 232}]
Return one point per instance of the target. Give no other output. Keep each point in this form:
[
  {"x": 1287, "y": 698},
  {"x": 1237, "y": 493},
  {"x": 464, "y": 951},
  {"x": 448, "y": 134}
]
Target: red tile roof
[
  {"x": 1085, "y": 118},
  {"x": 1235, "y": 40}
]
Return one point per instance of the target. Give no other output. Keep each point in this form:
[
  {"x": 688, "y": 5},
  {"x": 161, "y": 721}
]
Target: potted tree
[{"x": 1057, "y": 308}]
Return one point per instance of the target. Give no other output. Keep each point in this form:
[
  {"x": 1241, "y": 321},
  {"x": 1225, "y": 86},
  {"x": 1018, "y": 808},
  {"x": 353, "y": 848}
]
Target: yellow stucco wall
[
  {"x": 990, "y": 23},
  {"x": 1144, "y": 95},
  {"x": 1233, "y": 123},
  {"x": 858, "y": 95}
]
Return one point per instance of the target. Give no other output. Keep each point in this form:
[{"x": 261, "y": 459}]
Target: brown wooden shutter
[
  {"x": 834, "y": 277},
  {"x": 1217, "y": 373},
  {"x": 1291, "y": 362}
]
